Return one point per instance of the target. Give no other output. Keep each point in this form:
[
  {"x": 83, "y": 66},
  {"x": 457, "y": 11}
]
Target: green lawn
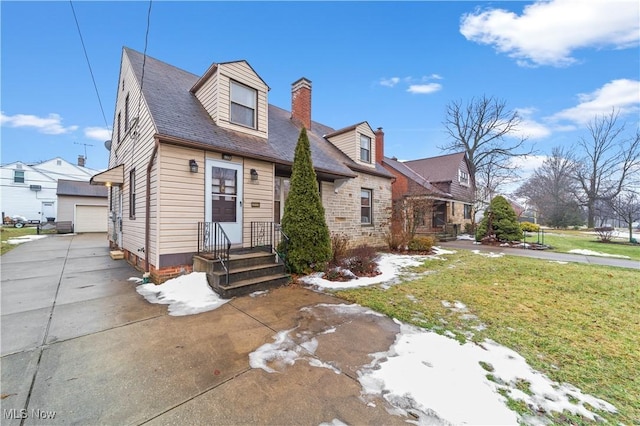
[
  {"x": 8, "y": 232},
  {"x": 577, "y": 323},
  {"x": 565, "y": 240}
]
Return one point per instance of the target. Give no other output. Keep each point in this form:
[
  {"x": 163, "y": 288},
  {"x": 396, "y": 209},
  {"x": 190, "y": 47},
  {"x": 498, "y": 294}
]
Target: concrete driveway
[{"x": 80, "y": 346}]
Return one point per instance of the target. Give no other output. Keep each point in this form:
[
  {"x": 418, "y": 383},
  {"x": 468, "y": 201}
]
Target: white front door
[
  {"x": 223, "y": 197},
  {"x": 48, "y": 210}
]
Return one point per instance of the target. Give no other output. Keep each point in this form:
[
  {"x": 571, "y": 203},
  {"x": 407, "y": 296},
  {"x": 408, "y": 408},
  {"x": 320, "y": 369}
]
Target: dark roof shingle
[{"x": 177, "y": 113}]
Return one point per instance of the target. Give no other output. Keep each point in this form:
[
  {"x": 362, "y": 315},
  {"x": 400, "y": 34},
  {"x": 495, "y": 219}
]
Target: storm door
[{"x": 224, "y": 197}]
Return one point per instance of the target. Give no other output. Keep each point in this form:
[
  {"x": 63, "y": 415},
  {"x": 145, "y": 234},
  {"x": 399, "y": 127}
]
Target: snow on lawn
[
  {"x": 441, "y": 378},
  {"x": 489, "y": 254},
  {"x": 186, "y": 295},
  {"x": 24, "y": 239},
  {"x": 433, "y": 378},
  {"x": 390, "y": 267},
  {"x": 597, "y": 253}
]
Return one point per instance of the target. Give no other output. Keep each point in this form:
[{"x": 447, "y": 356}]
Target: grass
[
  {"x": 565, "y": 240},
  {"x": 577, "y": 323},
  {"x": 7, "y": 233}
]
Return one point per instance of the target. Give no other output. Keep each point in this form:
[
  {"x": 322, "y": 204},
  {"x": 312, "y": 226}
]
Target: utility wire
[
  {"x": 144, "y": 61},
  {"x": 95, "y": 86}
]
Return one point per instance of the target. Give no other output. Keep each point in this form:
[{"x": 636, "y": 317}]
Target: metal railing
[
  {"x": 214, "y": 241},
  {"x": 268, "y": 236}
]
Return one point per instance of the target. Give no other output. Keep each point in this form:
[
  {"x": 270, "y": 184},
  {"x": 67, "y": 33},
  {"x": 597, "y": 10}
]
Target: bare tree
[
  {"x": 626, "y": 205},
  {"x": 551, "y": 190},
  {"x": 480, "y": 128},
  {"x": 608, "y": 163}
]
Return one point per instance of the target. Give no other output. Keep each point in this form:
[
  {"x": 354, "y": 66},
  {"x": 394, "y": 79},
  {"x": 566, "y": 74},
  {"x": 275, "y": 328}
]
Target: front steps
[{"x": 248, "y": 272}]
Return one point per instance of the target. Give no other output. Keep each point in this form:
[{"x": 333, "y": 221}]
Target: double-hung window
[
  {"x": 244, "y": 101},
  {"x": 18, "y": 176},
  {"x": 365, "y": 148},
  {"x": 366, "y": 206},
  {"x": 467, "y": 211}
]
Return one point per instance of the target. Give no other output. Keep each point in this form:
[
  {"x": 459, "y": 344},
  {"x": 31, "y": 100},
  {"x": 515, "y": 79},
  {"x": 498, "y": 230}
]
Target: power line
[{"x": 89, "y": 64}]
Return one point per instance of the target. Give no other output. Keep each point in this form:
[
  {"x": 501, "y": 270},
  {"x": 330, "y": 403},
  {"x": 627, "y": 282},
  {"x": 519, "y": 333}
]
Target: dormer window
[
  {"x": 365, "y": 148},
  {"x": 243, "y": 105},
  {"x": 463, "y": 177}
]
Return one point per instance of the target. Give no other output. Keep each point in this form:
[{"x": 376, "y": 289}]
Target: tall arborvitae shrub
[
  {"x": 303, "y": 220},
  {"x": 499, "y": 219}
]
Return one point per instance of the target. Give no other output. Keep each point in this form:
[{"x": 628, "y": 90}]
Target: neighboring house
[
  {"x": 84, "y": 205},
  {"x": 211, "y": 149},
  {"x": 445, "y": 181},
  {"x": 29, "y": 190}
]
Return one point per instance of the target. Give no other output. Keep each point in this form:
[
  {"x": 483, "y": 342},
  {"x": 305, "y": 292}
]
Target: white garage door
[{"x": 91, "y": 219}]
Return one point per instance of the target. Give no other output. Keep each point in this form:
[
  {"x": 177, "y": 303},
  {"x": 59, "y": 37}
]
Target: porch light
[
  {"x": 254, "y": 174},
  {"x": 193, "y": 166}
]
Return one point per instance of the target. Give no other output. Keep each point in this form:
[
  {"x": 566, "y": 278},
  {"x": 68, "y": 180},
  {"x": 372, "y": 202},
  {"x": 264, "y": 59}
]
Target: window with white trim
[
  {"x": 366, "y": 206},
  {"x": 244, "y": 101},
  {"x": 18, "y": 176},
  {"x": 365, "y": 148},
  {"x": 132, "y": 194}
]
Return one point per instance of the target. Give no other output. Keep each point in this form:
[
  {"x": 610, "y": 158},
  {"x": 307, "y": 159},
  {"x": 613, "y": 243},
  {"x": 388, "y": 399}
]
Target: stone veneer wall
[{"x": 342, "y": 210}]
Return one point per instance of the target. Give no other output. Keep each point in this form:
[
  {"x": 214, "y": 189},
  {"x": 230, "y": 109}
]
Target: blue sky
[{"x": 394, "y": 64}]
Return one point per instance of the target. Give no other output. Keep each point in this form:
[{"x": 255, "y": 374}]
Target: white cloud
[
  {"x": 97, "y": 133},
  {"x": 548, "y": 32},
  {"x": 389, "y": 82},
  {"x": 51, "y": 125},
  {"x": 423, "y": 89},
  {"x": 528, "y": 127},
  {"x": 623, "y": 95}
]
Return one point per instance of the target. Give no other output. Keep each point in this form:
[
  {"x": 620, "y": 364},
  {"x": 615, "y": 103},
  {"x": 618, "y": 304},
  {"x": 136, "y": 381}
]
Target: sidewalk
[
  {"x": 543, "y": 254},
  {"x": 80, "y": 345}
]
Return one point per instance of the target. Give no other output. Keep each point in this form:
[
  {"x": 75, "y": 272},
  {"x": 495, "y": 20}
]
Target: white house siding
[
  {"x": 342, "y": 209},
  {"x": 349, "y": 143},
  {"x": 134, "y": 151},
  {"x": 19, "y": 199},
  {"x": 258, "y": 196},
  {"x": 242, "y": 73}
]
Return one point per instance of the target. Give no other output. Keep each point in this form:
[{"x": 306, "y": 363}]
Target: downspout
[{"x": 147, "y": 220}]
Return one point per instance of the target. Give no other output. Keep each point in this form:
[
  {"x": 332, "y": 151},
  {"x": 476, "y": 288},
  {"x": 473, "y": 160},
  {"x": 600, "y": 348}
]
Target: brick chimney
[
  {"x": 301, "y": 102},
  {"x": 379, "y": 145},
  {"x": 81, "y": 160}
]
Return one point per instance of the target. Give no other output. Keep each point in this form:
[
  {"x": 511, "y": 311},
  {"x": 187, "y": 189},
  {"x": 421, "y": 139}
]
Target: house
[
  {"x": 194, "y": 151},
  {"x": 29, "y": 190},
  {"x": 85, "y": 206},
  {"x": 445, "y": 181}
]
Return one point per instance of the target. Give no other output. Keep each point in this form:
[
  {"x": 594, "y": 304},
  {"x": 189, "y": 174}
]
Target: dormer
[
  {"x": 358, "y": 142},
  {"x": 235, "y": 97}
]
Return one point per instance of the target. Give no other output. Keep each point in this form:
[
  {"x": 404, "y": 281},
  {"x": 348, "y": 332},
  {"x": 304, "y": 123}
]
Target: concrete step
[
  {"x": 247, "y": 272},
  {"x": 250, "y": 285}
]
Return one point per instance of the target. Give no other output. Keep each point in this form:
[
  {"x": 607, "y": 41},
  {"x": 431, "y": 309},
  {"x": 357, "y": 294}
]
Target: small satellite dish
[{"x": 107, "y": 144}]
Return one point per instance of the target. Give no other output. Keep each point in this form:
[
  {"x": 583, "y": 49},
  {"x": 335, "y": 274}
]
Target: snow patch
[
  {"x": 186, "y": 295},
  {"x": 455, "y": 377},
  {"x": 489, "y": 254},
  {"x": 466, "y": 237},
  {"x": 389, "y": 265},
  {"x": 597, "y": 253},
  {"x": 24, "y": 239}
]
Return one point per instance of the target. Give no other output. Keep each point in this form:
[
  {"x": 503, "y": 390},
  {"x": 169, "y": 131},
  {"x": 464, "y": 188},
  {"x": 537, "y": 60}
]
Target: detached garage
[{"x": 86, "y": 206}]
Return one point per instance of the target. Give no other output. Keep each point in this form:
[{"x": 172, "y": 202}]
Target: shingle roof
[
  {"x": 177, "y": 113},
  {"x": 438, "y": 169},
  {"x": 411, "y": 174},
  {"x": 80, "y": 189}
]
